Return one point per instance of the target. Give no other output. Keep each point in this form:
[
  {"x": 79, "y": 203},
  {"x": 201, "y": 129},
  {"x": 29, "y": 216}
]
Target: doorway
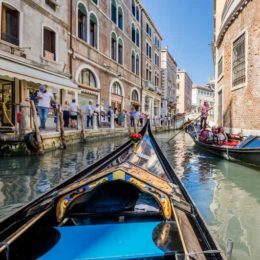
[
  {"x": 220, "y": 107},
  {"x": 7, "y": 106}
]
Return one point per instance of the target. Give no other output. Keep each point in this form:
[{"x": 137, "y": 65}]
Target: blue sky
[{"x": 187, "y": 29}]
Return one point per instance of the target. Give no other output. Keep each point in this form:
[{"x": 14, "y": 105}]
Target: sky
[{"x": 187, "y": 29}]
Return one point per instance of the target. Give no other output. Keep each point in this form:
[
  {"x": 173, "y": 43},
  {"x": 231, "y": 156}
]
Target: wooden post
[
  {"x": 82, "y": 126},
  {"x": 62, "y": 133},
  {"x": 36, "y": 127},
  {"x": 229, "y": 249}
]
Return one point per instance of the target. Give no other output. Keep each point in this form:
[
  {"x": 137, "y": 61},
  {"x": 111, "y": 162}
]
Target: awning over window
[{"x": 33, "y": 74}]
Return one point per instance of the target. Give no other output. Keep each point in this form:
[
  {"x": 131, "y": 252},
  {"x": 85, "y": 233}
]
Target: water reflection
[
  {"x": 22, "y": 179},
  {"x": 227, "y": 194}
]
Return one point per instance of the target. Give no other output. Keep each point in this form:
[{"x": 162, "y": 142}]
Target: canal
[{"x": 227, "y": 194}]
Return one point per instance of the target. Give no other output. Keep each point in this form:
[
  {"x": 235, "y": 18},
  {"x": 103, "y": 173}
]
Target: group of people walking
[{"x": 45, "y": 100}]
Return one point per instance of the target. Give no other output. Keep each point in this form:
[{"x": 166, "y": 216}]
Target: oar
[{"x": 185, "y": 126}]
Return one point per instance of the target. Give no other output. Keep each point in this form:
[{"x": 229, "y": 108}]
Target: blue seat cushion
[{"x": 106, "y": 241}]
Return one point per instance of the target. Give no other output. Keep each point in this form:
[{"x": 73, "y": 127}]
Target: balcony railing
[
  {"x": 10, "y": 38},
  {"x": 149, "y": 85}
]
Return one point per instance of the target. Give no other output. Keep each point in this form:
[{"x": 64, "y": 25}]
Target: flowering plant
[{"x": 135, "y": 137}]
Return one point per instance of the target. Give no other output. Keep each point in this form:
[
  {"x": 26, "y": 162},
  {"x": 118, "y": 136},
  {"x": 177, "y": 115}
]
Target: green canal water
[{"x": 227, "y": 194}]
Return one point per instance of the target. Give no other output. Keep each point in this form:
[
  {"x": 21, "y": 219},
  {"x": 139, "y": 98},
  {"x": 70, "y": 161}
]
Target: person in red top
[{"x": 204, "y": 114}]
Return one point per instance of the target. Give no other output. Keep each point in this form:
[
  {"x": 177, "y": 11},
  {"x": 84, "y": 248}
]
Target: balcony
[
  {"x": 149, "y": 85},
  {"x": 158, "y": 90}
]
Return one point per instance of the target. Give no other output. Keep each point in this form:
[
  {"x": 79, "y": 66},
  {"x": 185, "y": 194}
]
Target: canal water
[{"x": 227, "y": 194}]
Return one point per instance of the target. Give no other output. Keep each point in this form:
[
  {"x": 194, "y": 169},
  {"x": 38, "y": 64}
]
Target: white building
[
  {"x": 168, "y": 72},
  {"x": 200, "y": 93}
]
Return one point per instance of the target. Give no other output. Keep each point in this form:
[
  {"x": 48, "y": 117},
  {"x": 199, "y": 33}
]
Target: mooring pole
[{"x": 229, "y": 248}]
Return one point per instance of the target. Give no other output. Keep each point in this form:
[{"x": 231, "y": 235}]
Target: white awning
[{"x": 36, "y": 75}]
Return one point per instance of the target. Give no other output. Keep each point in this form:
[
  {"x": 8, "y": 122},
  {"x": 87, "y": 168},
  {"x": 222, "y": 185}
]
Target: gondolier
[{"x": 204, "y": 109}]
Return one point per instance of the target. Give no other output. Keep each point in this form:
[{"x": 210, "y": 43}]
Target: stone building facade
[
  {"x": 183, "y": 92},
  {"x": 237, "y": 63},
  {"x": 109, "y": 55},
  {"x": 33, "y": 51},
  {"x": 168, "y": 81}
]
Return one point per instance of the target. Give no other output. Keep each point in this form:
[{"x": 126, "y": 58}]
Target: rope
[{"x": 5, "y": 114}]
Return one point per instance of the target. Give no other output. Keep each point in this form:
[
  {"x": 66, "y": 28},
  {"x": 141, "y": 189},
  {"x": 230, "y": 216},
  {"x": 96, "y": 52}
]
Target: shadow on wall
[{"x": 227, "y": 116}]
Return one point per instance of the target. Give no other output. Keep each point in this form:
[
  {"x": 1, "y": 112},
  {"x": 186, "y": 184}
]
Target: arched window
[
  {"x": 113, "y": 46},
  {"x": 137, "y": 64},
  {"x": 137, "y": 39},
  {"x": 10, "y": 25},
  {"x": 133, "y": 61},
  {"x": 82, "y": 22},
  {"x": 120, "y": 18},
  {"x": 133, "y": 32},
  {"x": 135, "y": 96},
  {"x": 137, "y": 14},
  {"x": 133, "y": 7},
  {"x": 87, "y": 78},
  {"x": 93, "y": 30},
  {"x": 116, "y": 89},
  {"x": 120, "y": 51},
  {"x": 113, "y": 11}
]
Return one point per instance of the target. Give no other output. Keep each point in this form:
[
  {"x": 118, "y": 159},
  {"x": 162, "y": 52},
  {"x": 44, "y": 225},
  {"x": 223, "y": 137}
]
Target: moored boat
[
  {"x": 246, "y": 152},
  {"x": 129, "y": 205}
]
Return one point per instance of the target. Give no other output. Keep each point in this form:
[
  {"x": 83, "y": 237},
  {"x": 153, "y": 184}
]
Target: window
[
  {"x": 49, "y": 43},
  {"x": 133, "y": 33},
  {"x": 148, "y": 30},
  {"x": 238, "y": 63},
  {"x": 87, "y": 78},
  {"x": 146, "y": 103},
  {"x": 148, "y": 51},
  {"x": 133, "y": 7},
  {"x": 133, "y": 62},
  {"x": 120, "y": 51},
  {"x": 95, "y": 1},
  {"x": 137, "y": 40},
  {"x": 137, "y": 65},
  {"x": 51, "y": 3},
  {"x": 82, "y": 22},
  {"x": 116, "y": 89},
  {"x": 220, "y": 67},
  {"x": 10, "y": 25},
  {"x": 156, "y": 59},
  {"x": 137, "y": 14},
  {"x": 120, "y": 18},
  {"x": 150, "y": 73},
  {"x": 113, "y": 11},
  {"x": 156, "y": 80},
  {"x": 113, "y": 46},
  {"x": 135, "y": 96},
  {"x": 93, "y": 30}
]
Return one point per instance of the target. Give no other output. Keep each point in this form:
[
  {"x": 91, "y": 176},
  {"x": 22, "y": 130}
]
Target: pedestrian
[
  {"x": 110, "y": 112},
  {"x": 66, "y": 114},
  {"x": 204, "y": 114},
  {"x": 132, "y": 117},
  {"x": 116, "y": 116},
  {"x": 55, "y": 106},
  {"x": 74, "y": 108},
  {"x": 97, "y": 112},
  {"x": 44, "y": 99},
  {"x": 141, "y": 119},
  {"x": 121, "y": 118},
  {"x": 88, "y": 111}
]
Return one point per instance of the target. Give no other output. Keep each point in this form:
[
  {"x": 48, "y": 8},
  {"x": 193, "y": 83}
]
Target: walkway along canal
[{"x": 227, "y": 194}]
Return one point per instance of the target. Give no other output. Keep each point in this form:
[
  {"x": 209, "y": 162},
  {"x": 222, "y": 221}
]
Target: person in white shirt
[
  {"x": 74, "y": 113},
  {"x": 88, "y": 111},
  {"x": 44, "y": 99}
]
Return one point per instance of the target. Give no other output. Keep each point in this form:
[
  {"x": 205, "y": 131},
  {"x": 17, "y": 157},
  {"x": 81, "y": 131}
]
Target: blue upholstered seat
[{"x": 110, "y": 241}]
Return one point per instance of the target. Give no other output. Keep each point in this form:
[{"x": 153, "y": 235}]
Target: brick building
[
  {"x": 110, "y": 52},
  {"x": 168, "y": 70},
  {"x": 237, "y": 61},
  {"x": 183, "y": 92}
]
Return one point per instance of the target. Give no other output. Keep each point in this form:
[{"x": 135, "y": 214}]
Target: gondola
[
  {"x": 246, "y": 152},
  {"x": 128, "y": 205}
]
